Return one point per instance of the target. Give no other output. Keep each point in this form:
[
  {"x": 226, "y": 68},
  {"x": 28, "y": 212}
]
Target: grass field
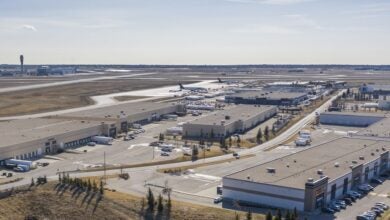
[
  {"x": 53, "y": 201},
  {"x": 69, "y": 96}
]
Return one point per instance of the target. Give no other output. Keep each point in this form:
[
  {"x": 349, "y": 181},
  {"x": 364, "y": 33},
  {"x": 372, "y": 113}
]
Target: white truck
[
  {"x": 102, "y": 140},
  {"x": 23, "y": 163}
]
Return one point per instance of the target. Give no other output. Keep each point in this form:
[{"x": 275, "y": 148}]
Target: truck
[
  {"x": 15, "y": 163},
  {"x": 102, "y": 140},
  {"x": 22, "y": 168}
]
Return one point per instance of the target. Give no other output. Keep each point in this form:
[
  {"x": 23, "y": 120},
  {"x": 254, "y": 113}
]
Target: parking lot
[{"x": 379, "y": 194}]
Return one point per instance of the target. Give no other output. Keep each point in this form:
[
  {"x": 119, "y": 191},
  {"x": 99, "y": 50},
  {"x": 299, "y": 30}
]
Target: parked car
[
  {"x": 376, "y": 181},
  {"x": 166, "y": 149},
  {"x": 335, "y": 207},
  {"x": 348, "y": 201},
  {"x": 340, "y": 203},
  {"x": 327, "y": 210},
  {"x": 154, "y": 144},
  {"x": 218, "y": 200},
  {"x": 165, "y": 154},
  {"x": 377, "y": 209},
  {"x": 365, "y": 188},
  {"x": 364, "y": 217},
  {"x": 354, "y": 194},
  {"x": 91, "y": 144},
  {"x": 385, "y": 207},
  {"x": 371, "y": 214}
]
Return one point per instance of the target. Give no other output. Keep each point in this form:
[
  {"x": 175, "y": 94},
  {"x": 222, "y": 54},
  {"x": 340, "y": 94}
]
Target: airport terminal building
[
  {"x": 310, "y": 179},
  {"x": 237, "y": 119}
]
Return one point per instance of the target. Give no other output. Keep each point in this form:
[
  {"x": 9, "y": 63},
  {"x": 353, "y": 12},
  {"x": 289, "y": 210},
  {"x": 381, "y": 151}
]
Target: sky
[{"x": 195, "y": 31}]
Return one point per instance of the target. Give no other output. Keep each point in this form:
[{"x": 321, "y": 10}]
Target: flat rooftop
[
  {"x": 238, "y": 112},
  {"x": 25, "y": 130},
  {"x": 294, "y": 170},
  {"x": 378, "y": 129},
  {"x": 363, "y": 114},
  {"x": 111, "y": 112},
  {"x": 271, "y": 95}
]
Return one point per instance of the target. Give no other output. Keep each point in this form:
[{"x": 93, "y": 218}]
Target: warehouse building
[
  {"x": 127, "y": 114},
  {"x": 356, "y": 119},
  {"x": 266, "y": 98},
  {"x": 310, "y": 179},
  {"x": 32, "y": 138},
  {"x": 237, "y": 119}
]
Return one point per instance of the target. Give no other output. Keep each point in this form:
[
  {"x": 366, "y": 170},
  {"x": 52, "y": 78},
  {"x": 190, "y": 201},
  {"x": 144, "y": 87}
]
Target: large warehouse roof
[
  {"x": 333, "y": 158},
  {"x": 271, "y": 95},
  {"x": 357, "y": 114},
  {"x": 231, "y": 115},
  {"x": 25, "y": 130},
  {"x": 116, "y": 110}
]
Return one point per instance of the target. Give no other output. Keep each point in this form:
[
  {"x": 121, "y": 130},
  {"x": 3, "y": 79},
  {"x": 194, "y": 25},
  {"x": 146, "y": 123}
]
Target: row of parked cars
[
  {"x": 350, "y": 197},
  {"x": 338, "y": 204},
  {"x": 374, "y": 212}
]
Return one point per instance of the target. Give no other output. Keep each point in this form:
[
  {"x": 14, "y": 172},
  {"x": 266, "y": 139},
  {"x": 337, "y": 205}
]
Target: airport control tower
[{"x": 21, "y": 63}]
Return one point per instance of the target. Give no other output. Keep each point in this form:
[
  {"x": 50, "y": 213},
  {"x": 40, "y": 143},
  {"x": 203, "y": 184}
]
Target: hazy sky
[{"x": 195, "y": 31}]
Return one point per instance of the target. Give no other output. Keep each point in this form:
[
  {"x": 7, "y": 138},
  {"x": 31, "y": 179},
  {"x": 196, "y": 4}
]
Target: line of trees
[
  {"x": 88, "y": 185},
  {"x": 160, "y": 203},
  {"x": 289, "y": 215}
]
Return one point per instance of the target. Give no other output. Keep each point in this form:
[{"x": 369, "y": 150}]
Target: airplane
[
  {"x": 195, "y": 89},
  {"x": 227, "y": 81}
]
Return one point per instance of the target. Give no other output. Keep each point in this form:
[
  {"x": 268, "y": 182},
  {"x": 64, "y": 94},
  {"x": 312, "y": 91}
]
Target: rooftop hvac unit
[
  {"x": 336, "y": 164},
  {"x": 310, "y": 180},
  {"x": 271, "y": 170},
  {"x": 354, "y": 162},
  {"x": 351, "y": 166},
  {"x": 320, "y": 172},
  {"x": 361, "y": 157},
  {"x": 372, "y": 154},
  {"x": 227, "y": 117}
]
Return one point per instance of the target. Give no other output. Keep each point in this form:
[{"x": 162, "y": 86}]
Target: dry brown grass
[
  {"x": 53, "y": 202},
  {"x": 69, "y": 96}
]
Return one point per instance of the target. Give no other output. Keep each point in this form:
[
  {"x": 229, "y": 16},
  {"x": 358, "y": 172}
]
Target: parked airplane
[
  {"x": 191, "y": 88},
  {"x": 230, "y": 81}
]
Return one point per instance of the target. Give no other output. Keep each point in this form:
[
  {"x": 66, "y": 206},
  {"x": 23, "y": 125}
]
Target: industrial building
[
  {"x": 32, "y": 138},
  {"x": 355, "y": 119},
  {"x": 237, "y": 119},
  {"x": 312, "y": 178},
  {"x": 126, "y": 114},
  {"x": 266, "y": 98}
]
